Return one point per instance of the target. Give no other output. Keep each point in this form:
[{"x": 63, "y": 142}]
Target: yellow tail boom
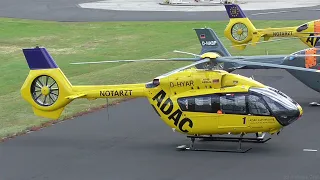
[{"x": 48, "y": 90}]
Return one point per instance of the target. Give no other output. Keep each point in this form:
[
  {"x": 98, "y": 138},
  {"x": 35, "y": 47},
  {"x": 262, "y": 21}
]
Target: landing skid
[
  {"x": 191, "y": 147},
  {"x": 258, "y": 139}
]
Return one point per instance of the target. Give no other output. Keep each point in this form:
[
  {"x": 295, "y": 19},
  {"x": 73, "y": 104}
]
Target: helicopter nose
[
  {"x": 300, "y": 110},
  {"x": 287, "y": 117}
]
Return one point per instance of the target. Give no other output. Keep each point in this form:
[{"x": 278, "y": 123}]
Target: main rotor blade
[
  {"x": 243, "y": 62},
  {"x": 183, "y": 68},
  {"x": 139, "y": 60},
  {"x": 182, "y": 52}
]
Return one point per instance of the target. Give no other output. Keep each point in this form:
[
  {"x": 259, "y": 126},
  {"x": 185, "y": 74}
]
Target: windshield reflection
[
  {"x": 282, "y": 106},
  {"x": 277, "y": 101}
]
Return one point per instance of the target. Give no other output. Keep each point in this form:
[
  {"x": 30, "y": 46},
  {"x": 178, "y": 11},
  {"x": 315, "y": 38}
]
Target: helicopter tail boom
[{"x": 48, "y": 90}]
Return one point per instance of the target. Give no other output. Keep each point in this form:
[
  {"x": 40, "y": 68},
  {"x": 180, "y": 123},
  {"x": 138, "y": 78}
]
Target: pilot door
[{"x": 233, "y": 111}]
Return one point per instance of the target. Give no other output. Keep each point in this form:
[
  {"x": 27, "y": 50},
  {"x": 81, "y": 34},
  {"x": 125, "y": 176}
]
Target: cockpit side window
[
  {"x": 274, "y": 106},
  {"x": 233, "y": 104},
  {"x": 257, "y": 106},
  {"x": 186, "y": 104}
]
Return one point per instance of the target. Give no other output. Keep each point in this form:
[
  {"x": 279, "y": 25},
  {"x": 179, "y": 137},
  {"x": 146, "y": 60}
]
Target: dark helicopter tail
[{"x": 210, "y": 42}]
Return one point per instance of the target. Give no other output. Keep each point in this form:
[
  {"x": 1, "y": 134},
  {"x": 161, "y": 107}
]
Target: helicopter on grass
[
  {"x": 240, "y": 30},
  {"x": 196, "y": 102}
]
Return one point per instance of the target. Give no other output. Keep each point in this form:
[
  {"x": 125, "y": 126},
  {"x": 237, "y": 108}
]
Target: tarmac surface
[
  {"x": 69, "y": 10},
  {"x": 134, "y": 144}
]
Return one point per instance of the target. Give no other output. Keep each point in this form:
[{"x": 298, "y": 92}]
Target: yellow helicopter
[
  {"x": 240, "y": 30},
  {"x": 196, "y": 102}
]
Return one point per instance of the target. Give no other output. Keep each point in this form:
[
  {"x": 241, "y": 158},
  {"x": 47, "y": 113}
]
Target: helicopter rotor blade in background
[
  {"x": 139, "y": 60},
  {"x": 243, "y": 62},
  {"x": 303, "y": 55},
  {"x": 259, "y": 56},
  {"x": 264, "y": 56},
  {"x": 275, "y": 40}
]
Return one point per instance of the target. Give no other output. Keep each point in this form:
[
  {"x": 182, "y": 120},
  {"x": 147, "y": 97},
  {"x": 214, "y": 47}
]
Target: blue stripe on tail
[
  {"x": 234, "y": 11},
  {"x": 39, "y": 58}
]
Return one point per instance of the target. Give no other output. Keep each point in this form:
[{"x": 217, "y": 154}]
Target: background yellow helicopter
[
  {"x": 240, "y": 30},
  {"x": 196, "y": 102}
]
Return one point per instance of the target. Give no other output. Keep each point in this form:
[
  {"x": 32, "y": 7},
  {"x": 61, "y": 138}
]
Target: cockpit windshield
[
  {"x": 282, "y": 106},
  {"x": 276, "y": 100}
]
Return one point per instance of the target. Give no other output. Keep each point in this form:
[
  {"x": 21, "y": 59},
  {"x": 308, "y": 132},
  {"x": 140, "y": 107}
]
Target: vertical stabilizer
[
  {"x": 39, "y": 58},
  {"x": 234, "y": 11},
  {"x": 210, "y": 42}
]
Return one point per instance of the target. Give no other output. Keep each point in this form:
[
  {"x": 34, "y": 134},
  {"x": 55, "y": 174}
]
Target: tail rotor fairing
[{"x": 44, "y": 90}]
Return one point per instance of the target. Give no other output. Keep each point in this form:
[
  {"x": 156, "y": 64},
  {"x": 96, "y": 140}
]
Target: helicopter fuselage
[
  {"x": 216, "y": 102},
  {"x": 192, "y": 101}
]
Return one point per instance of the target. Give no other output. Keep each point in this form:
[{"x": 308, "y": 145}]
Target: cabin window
[
  {"x": 202, "y": 104},
  {"x": 227, "y": 103},
  {"x": 233, "y": 104},
  {"x": 215, "y": 103},
  {"x": 257, "y": 106}
]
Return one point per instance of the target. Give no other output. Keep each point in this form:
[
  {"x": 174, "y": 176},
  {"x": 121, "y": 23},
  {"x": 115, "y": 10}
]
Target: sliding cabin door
[{"x": 234, "y": 111}]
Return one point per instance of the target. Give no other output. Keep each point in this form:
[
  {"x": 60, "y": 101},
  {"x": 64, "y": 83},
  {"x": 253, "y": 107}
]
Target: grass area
[{"x": 75, "y": 42}]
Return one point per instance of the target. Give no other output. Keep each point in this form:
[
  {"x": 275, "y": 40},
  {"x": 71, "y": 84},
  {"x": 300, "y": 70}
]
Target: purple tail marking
[
  {"x": 39, "y": 58},
  {"x": 234, "y": 11}
]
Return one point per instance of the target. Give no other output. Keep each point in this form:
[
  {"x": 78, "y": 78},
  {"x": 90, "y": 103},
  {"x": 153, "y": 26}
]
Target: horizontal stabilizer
[{"x": 75, "y": 96}]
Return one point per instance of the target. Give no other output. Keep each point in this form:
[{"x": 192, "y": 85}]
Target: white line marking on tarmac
[
  {"x": 310, "y": 150},
  {"x": 276, "y": 12}
]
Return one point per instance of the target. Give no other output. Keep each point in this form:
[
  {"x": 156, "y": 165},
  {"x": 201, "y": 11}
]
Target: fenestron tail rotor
[
  {"x": 239, "y": 32},
  {"x": 44, "y": 90}
]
